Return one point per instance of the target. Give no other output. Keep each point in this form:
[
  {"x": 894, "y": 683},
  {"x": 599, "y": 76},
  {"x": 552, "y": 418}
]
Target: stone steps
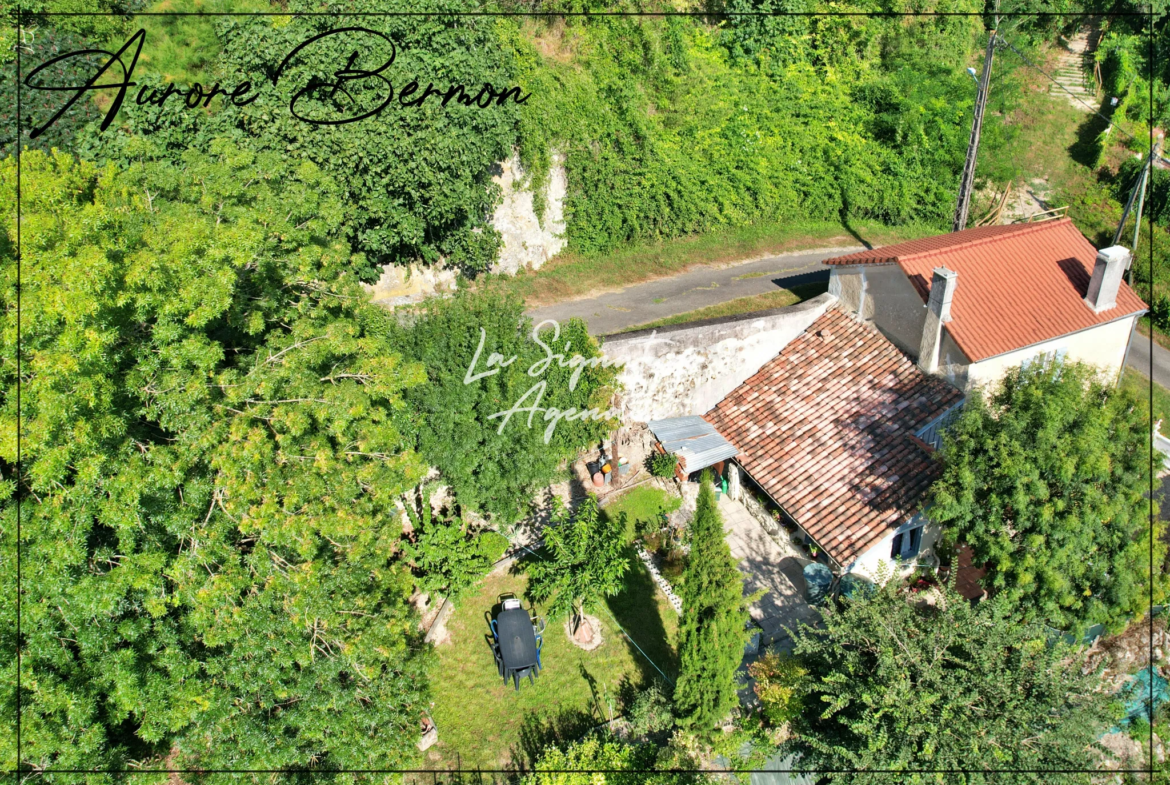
[{"x": 1073, "y": 74}]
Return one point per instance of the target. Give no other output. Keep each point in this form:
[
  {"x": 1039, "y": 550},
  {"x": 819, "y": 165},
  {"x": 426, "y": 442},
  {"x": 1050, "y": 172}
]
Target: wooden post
[{"x": 617, "y": 461}]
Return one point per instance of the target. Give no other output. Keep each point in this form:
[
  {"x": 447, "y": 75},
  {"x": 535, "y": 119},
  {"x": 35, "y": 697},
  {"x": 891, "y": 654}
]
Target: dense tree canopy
[
  {"x": 210, "y": 456},
  {"x": 713, "y": 628},
  {"x": 1046, "y": 479},
  {"x": 586, "y": 559},
  {"x": 953, "y": 687},
  {"x": 494, "y": 460}
]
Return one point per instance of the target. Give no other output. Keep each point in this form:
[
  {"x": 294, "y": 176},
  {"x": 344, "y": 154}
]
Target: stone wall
[
  {"x": 687, "y": 369},
  {"x": 528, "y": 241},
  {"x": 402, "y": 285}
]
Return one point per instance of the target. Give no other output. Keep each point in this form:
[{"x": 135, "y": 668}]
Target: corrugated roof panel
[
  {"x": 694, "y": 440},
  {"x": 703, "y": 451}
]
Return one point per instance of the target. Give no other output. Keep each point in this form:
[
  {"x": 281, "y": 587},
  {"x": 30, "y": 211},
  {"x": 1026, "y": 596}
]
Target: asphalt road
[
  {"x": 1139, "y": 359},
  {"x": 647, "y": 302}
]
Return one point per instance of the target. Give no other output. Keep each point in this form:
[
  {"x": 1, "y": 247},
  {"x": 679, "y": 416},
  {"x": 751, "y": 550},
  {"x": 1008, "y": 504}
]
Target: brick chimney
[
  {"x": 938, "y": 313},
  {"x": 1103, "y": 286}
]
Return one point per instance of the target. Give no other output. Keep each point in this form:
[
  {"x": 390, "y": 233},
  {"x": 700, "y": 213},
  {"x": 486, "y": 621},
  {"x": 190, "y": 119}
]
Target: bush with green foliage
[
  {"x": 598, "y": 760},
  {"x": 584, "y": 560},
  {"x": 662, "y": 464},
  {"x": 650, "y": 712},
  {"x": 955, "y": 686},
  {"x": 781, "y": 685},
  {"x": 210, "y": 461},
  {"x": 449, "y": 558},
  {"x": 1046, "y": 480},
  {"x": 493, "y": 470},
  {"x": 712, "y": 631},
  {"x": 492, "y": 545}
]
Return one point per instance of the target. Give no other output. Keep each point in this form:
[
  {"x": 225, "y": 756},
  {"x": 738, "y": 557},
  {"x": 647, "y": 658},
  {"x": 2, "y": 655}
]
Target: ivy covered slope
[
  {"x": 668, "y": 126},
  {"x": 673, "y": 126},
  {"x": 210, "y": 458}
]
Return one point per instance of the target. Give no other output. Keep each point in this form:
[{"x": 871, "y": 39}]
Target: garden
[{"x": 485, "y": 723}]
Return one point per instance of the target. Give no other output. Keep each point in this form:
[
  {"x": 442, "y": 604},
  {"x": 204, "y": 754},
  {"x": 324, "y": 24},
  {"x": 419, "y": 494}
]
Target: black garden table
[{"x": 516, "y": 648}]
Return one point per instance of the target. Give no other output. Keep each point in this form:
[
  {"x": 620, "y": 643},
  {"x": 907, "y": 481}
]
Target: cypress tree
[{"x": 712, "y": 633}]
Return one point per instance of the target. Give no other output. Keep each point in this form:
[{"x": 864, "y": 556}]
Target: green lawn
[
  {"x": 758, "y": 302},
  {"x": 1140, "y": 386},
  {"x": 643, "y": 503},
  {"x": 484, "y": 724},
  {"x": 571, "y": 275}
]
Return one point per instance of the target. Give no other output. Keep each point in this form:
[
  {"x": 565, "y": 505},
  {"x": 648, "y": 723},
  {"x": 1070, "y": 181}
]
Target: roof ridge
[{"x": 975, "y": 242}]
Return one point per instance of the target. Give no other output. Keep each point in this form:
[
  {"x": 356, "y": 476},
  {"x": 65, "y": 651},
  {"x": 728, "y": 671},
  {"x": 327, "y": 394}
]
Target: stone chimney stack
[
  {"x": 938, "y": 313},
  {"x": 1103, "y": 286}
]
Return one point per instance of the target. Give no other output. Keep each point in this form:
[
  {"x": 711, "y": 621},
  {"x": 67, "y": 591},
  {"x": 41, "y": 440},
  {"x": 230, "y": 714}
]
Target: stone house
[
  {"x": 972, "y": 304},
  {"x": 832, "y": 430}
]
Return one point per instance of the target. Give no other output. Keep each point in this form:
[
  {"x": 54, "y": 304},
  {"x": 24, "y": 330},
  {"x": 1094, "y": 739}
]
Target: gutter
[{"x": 1128, "y": 344}]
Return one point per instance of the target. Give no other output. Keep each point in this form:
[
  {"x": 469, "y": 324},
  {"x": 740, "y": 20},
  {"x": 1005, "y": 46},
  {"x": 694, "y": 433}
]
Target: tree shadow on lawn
[
  {"x": 539, "y": 732},
  {"x": 1086, "y": 150},
  {"x": 637, "y": 610}
]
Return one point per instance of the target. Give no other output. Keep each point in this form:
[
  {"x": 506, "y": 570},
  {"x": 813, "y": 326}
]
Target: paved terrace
[{"x": 770, "y": 565}]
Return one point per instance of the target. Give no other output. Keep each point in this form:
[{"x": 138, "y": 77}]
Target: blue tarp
[
  {"x": 856, "y": 586},
  {"x": 1143, "y": 694}
]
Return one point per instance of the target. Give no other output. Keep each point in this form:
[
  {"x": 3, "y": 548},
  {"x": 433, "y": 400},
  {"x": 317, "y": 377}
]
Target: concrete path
[
  {"x": 658, "y": 299},
  {"x": 1140, "y": 353},
  {"x": 769, "y": 566}
]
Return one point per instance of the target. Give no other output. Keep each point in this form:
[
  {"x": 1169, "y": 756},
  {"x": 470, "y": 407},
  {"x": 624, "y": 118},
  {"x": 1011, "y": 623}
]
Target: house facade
[
  {"x": 836, "y": 430},
  {"x": 970, "y": 305}
]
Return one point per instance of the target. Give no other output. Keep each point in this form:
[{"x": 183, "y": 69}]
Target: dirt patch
[
  {"x": 594, "y": 642},
  {"x": 1125, "y": 654}
]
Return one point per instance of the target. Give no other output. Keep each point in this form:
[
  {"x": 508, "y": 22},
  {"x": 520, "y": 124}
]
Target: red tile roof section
[
  {"x": 826, "y": 427},
  {"x": 1018, "y": 285}
]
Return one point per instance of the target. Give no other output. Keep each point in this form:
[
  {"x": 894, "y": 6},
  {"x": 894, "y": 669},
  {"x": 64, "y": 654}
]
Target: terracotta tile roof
[
  {"x": 826, "y": 427},
  {"x": 1018, "y": 285}
]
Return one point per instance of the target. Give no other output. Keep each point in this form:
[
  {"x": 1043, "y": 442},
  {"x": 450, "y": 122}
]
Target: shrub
[
  {"x": 650, "y": 712},
  {"x": 662, "y": 464},
  {"x": 492, "y": 545},
  {"x": 779, "y": 686},
  {"x": 448, "y": 557}
]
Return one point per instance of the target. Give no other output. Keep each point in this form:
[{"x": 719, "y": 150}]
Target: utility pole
[
  {"x": 1138, "y": 193},
  {"x": 967, "y": 181}
]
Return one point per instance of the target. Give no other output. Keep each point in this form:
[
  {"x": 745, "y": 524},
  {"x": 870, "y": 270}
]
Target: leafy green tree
[
  {"x": 450, "y": 558},
  {"x": 416, "y": 180},
  {"x": 780, "y": 680},
  {"x": 588, "y": 560},
  {"x": 607, "y": 761},
  {"x": 495, "y": 462},
  {"x": 211, "y": 453},
  {"x": 713, "y": 630},
  {"x": 955, "y": 687},
  {"x": 1046, "y": 481}
]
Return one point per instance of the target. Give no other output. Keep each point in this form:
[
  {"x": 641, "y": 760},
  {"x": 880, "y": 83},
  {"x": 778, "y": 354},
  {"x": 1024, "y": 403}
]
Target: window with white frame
[{"x": 907, "y": 540}]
